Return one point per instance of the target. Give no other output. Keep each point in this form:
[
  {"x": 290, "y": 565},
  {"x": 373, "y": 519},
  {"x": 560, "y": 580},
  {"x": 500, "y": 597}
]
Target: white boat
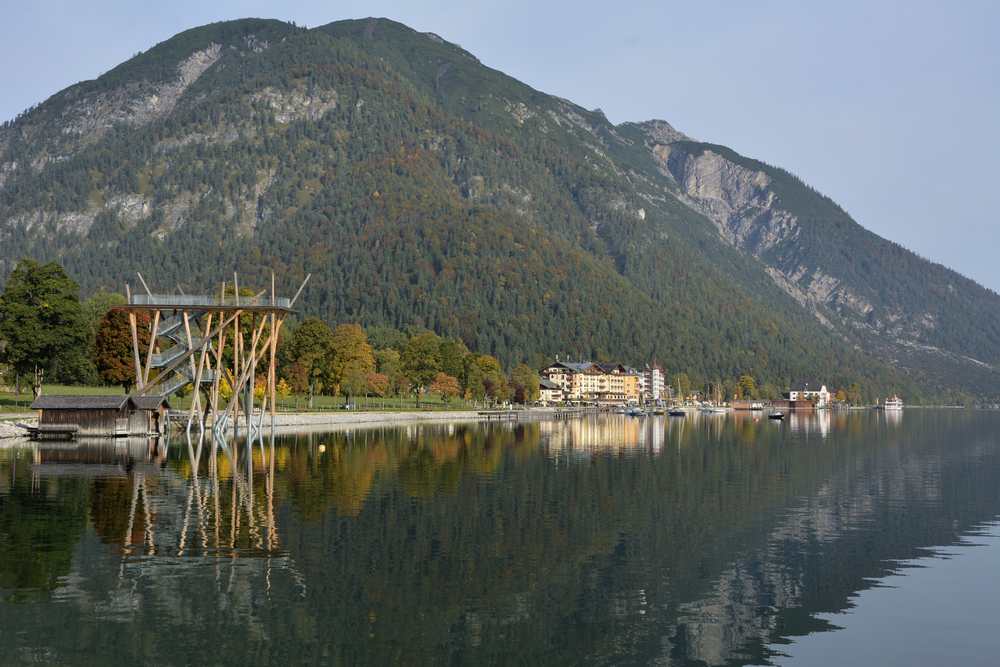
[{"x": 894, "y": 403}]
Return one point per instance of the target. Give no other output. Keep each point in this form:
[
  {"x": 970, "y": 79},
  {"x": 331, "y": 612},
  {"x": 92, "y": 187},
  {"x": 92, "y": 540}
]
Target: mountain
[{"x": 422, "y": 188}]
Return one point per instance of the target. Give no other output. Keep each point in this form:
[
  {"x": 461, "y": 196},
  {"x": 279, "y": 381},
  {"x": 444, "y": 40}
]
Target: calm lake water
[{"x": 845, "y": 538}]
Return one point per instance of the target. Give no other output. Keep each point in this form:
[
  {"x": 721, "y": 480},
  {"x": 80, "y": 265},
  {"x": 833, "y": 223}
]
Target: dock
[
  {"x": 499, "y": 415},
  {"x": 51, "y": 431}
]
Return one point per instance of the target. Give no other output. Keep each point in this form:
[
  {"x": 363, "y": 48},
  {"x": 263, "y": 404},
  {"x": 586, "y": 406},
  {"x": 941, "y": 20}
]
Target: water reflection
[{"x": 702, "y": 540}]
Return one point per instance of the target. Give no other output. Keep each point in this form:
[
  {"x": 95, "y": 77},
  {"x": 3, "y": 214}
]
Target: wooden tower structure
[{"x": 219, "y": 345}]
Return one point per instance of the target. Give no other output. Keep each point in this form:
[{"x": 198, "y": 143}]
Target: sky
[{"x": 889, "y": 108}]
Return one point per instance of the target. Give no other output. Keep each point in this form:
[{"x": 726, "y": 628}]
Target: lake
[{"x": 832, "y": 538}]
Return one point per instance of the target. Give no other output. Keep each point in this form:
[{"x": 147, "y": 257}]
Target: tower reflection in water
[
  {"x": 170, "y": 506},
  {"x": 609, "y": 539}
]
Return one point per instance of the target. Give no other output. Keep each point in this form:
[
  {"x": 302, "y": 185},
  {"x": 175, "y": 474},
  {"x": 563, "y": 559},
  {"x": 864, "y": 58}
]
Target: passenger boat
[{"x": 894, "y": 403}]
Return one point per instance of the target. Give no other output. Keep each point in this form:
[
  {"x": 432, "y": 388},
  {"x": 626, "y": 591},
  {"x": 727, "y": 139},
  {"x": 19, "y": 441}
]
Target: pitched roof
[
  {"x": 809, "y": 385},
  {"x": 115, "y": 402},
  {"x": 545, "y": 383},
  {"x": 149, "y": 402},
  {"x": 55, "y": 402},
  {"x": 575, "y": 366},
  {"x": 617, "y": 368}
]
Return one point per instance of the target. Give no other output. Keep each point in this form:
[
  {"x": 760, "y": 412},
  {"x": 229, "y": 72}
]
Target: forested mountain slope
[{"x": 422, "y": 188}]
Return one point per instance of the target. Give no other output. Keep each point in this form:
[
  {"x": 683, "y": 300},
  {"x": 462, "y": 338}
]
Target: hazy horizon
[{"x": 887, "y": 108}]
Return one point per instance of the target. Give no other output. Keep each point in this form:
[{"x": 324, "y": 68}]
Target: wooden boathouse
[{"x": 102, "y": 416}]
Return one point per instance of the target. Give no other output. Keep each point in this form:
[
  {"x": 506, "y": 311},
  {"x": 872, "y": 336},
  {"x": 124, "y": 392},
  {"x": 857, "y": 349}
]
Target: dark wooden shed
[{"x": 103, "y": 415}]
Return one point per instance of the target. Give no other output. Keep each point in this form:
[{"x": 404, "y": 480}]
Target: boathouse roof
[
  {"x": 96, "y": 402},
  {"x": 56, "y": 402}
]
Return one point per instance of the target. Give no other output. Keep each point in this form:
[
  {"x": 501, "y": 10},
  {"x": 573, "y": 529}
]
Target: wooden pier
[
  {"x": 51, "y": 431},
  {"x": 500, "y": 415}
]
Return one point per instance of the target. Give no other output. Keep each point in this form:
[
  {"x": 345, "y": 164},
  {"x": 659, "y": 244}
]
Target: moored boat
[
  {"x": 894, "y": 403},
  {"x": 777, "y": 415}
]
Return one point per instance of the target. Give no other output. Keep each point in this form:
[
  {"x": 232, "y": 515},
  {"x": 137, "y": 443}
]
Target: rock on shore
[{"x": 9, "y": 429}]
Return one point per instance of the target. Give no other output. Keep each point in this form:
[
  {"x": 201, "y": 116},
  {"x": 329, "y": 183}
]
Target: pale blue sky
[{"x": 890, "y": 108}]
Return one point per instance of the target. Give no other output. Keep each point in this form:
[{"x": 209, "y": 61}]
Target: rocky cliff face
[
  {"x": 743, "y": 201},
  {"x": 747, "y": 214}
]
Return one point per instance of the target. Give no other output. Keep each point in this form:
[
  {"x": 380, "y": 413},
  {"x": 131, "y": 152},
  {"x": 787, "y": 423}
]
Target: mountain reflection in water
[{"x": 702, "y": 540}]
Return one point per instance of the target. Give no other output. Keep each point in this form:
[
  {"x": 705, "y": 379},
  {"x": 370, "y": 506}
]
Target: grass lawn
[{"x": 11, "y": 402}]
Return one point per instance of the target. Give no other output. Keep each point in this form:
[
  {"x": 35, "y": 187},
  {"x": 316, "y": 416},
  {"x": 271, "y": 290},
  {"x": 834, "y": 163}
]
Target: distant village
[{"x": 613, "y": 384}]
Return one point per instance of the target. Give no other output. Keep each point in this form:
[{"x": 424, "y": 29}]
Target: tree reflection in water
[{"x": 702, "y": 540}]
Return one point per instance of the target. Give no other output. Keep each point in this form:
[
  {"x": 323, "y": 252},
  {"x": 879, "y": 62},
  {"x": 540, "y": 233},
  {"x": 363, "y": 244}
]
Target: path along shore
[{"x": 318, "y": 420}]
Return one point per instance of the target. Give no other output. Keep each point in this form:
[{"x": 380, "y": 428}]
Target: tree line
[{"x": 47, "y": 334}]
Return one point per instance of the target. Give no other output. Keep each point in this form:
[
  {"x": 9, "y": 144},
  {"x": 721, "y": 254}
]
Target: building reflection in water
[
  {"x": 697, "y": 540},
  {"x": 810, "y": 422}
]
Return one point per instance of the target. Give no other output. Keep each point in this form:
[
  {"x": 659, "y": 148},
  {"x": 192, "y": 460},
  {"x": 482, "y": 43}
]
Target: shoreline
[{"x": 319, "y": 420}]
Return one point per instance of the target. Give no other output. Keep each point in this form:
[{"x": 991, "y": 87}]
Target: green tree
[
  {"x": 383, "y": 337},
  {"x": 683, "y": 384},
  {"x": 748, "y": 386},
  {"x": 113, "y": 353},
  {"x": 97, "y": 306},
  {"x": 42, "y": 324},
  {"x": 453, "y": 354},
  {"x": 422, "y": 358},
  {"x": 306, "y": 355},
  {"x": 354, "y": 379},
  {"x": 524, "y": 384},
  {"x": 390, "y": 365},
  {"x": 351, "y": 359},
  {"x": 485, "y": 378}
]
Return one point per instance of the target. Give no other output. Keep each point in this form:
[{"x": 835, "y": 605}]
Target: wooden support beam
[
  {"x": 152, "y": 345},
  {"x": 237, "y": 349},
  {"x": 144, "y": 285},
  {"x": 214, "y": 397},
  {"x": 272, "y": 367},
  {"x": 176, "y": 363},
  {"x": 301, "y": 287},
  {"x": 196, "y": 398},
  {"x": 214, "y": 401},
  {"x": 135, "y": 340},
  {"x": 241, "y": 380}
]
